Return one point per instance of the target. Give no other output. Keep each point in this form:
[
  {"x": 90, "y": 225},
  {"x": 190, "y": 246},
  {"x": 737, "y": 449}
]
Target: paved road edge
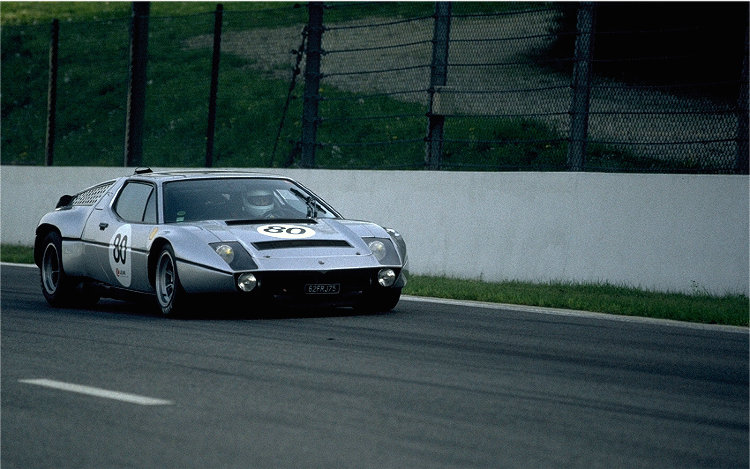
[
  {"x": 541, "y": 310},
  {"x": 578, "y": 313}
]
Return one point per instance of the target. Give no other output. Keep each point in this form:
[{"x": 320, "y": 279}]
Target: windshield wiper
[{"x": 312, "y": 205}]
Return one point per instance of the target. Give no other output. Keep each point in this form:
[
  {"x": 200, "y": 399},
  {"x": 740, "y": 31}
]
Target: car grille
[{"x": 301, "y": 243}]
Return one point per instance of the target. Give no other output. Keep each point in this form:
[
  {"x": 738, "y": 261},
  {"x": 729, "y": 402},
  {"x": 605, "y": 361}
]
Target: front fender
[
  {"x": 199, "y": 268},
  {"x": 371, "y": 230}
]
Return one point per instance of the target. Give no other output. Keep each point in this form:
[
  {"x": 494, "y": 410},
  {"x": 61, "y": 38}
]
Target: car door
[{"x": 120, "y": 233}]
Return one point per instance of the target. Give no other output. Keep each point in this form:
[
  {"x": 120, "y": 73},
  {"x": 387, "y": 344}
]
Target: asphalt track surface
[{"x": 431, "y": 384}]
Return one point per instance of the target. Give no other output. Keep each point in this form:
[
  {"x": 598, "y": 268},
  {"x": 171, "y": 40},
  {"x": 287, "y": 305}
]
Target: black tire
[
  {"x": 170, "y": 297},
  {"x": 56, "y": 286}
]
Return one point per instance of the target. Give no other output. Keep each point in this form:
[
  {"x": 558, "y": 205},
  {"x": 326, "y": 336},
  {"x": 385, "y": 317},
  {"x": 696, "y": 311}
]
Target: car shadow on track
[{"x": 208, "y": 309}]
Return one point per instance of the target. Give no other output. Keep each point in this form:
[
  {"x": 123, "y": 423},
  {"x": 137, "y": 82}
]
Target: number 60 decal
[{"x": 286, "y": 231}]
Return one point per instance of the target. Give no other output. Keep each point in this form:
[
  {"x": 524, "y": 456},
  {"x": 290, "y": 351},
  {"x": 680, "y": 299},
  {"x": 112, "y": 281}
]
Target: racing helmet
[{"x": 257, "y": 202}]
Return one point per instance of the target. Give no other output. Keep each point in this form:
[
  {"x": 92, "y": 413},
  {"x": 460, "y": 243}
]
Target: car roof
[{"x": 172, "y": 175}]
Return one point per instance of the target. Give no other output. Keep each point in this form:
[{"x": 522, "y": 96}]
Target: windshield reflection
[{"x": 240, "y": 199}]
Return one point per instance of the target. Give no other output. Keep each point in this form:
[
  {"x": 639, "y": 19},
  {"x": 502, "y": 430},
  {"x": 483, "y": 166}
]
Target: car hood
[{"x": 286, "y": 244}]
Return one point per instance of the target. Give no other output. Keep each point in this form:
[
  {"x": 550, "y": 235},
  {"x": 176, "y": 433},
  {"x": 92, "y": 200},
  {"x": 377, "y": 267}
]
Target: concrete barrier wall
[{"x": 686, "y": 233}]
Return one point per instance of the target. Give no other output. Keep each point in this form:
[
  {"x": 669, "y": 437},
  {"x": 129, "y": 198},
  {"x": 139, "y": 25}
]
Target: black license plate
[{"x": 322, "y": 288}]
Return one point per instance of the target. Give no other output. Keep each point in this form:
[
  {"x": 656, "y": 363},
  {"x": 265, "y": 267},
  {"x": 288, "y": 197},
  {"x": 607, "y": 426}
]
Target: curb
[{"x": 579, "y": 314}]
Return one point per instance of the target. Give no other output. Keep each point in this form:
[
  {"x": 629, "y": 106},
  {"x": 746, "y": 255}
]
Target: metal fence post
[
  {"x": 579, "y": 108},
  {"x": 743, "y": 153},
  {"x": 299, "y": 53},
  {"x": 52, "y": 92},
  {"x": 312, "y": 83},
  {"x": 438, "y": 78},
  {"x": 211, "y": 131},
  {"x": 136, "y": 109}
]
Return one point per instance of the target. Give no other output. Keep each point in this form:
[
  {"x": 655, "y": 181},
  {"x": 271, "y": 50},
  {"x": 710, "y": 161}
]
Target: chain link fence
[
  {"x": 507, "y": 102},
  {"x": 499, "y": 95}
]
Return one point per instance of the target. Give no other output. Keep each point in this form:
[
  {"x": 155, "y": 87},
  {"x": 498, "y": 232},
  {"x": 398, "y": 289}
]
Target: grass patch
[
  {"x": 727, "y": 310},
  {"x": 16, "y": 254}
]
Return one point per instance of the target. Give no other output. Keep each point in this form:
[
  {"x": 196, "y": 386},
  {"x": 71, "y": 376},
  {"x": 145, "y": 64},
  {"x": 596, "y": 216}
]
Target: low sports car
[{"x": 250, "y": 237}]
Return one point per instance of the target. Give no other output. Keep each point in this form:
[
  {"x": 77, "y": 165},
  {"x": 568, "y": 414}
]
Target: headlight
[
  {"x": 378, "y": 249},
  {"x": 247, "y": 282},
  {"x": 386, "y": 277},
  {"x": 225, "y": 252}
]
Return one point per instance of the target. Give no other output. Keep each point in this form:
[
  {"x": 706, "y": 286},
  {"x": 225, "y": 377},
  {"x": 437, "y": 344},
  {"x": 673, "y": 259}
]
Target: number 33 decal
[{"x": 286, "y": 231}]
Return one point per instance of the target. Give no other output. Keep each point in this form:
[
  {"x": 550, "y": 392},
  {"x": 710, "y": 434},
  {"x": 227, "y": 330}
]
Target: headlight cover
[
  {"x": 226, "y": 252},
  {"x": 378, "y": 249},
  {"x": 234, "y": 255},
  {"x": 383, "y": 250}
]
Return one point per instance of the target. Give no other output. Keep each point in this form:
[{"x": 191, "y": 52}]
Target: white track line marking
[
  {"x": 576, "y": 313},
  {"x": 12, "y": 264},
  {"x": 97, "y": 392}
]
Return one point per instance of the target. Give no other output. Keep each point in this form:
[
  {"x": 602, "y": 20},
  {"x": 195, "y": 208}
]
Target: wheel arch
[
  {"x": 41, "y": 232},
  {"x": 153, "y": 256}
]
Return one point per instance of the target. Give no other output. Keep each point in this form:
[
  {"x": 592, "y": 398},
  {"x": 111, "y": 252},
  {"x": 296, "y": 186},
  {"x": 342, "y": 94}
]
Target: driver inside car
[{"x": 257, "y": 203}]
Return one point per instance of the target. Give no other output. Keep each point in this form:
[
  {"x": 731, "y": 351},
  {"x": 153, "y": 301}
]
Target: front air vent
[{"x": 301, "y": 243}]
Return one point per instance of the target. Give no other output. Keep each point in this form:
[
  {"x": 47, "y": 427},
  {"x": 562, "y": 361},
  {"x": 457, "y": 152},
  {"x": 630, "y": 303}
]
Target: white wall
[{"x": 662, "y": 232}]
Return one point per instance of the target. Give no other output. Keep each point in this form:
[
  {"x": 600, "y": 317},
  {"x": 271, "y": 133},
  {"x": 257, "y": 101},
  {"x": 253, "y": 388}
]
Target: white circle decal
[
  {"x": 286, "y": 231},
  {"x": 119, "y": 255}
]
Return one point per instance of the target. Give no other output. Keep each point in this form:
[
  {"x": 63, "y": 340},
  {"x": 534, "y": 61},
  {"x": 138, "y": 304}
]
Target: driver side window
[{"x": 137, "y": 203}]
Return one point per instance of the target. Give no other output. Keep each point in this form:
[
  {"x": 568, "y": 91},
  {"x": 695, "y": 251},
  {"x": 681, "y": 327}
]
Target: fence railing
[
  {"x": 494, "y": 98},
  {"x": 387, "y": 86}
]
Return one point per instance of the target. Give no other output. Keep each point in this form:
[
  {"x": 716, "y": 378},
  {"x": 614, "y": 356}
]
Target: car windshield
[{"x": 241, "y": 199}]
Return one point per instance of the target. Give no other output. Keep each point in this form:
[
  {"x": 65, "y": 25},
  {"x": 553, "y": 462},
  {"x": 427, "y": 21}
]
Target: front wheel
[{"x": 169, "y": 293}]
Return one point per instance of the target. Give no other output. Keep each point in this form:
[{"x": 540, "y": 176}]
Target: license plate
[{"x": 322, "y": 288}]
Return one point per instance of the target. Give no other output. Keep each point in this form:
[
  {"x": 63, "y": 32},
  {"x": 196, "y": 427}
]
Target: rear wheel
[
  {"x": 56, "y": 286},
  {"x": 169, "y": 293}
]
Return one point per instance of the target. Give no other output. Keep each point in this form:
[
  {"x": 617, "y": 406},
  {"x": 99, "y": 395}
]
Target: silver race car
[{"x": 251, "y": 237}]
